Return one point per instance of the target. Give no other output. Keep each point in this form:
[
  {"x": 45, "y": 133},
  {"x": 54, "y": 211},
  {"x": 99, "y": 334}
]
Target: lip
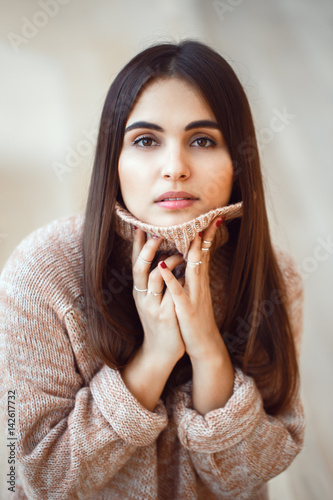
[
  {"x": 176, "y": 194},
  {"x": 177, "y": 204}
]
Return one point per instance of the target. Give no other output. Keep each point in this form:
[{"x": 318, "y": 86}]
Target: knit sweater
[{"x": 80, "y": 432}]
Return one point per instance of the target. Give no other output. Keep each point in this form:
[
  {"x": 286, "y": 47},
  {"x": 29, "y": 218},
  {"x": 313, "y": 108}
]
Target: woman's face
[{"x": 174, "y": 164}]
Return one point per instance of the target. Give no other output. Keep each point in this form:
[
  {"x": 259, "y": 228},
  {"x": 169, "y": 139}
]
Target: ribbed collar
[{"x": 177, "y": 237}]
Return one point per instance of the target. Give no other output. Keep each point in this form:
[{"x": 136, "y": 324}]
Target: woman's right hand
[
  {"x": 162, "y": 337},
  {"x": 147, "y": 372}
]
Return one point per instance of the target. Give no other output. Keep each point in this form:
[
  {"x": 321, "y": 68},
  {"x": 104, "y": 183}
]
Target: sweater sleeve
[
  {"x": 238, "y": 448},
  {"x": 72, "y": 436}
]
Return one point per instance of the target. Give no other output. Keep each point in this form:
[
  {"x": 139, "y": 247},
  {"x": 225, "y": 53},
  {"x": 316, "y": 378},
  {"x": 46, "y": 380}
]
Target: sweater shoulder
[
  {"x": 49, "y": 261},
  {"x": 289, "y": 270},
  {"x": 294, "y": 288}
]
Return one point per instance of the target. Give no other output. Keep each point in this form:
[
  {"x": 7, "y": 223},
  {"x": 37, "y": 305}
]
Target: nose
[{"x": 176, "y": 164}]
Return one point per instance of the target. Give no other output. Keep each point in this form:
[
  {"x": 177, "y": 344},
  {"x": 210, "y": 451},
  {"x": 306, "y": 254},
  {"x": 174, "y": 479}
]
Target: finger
[
  {"x": 140, "y": 241},
  {"x": 155, "y": 280},
  {"x": 199, "y": 254},
  {"x": 194, "y": 258},
  {"x": 209, "y": 235},
  {"x": 142, "y": 257},
  {"x": 200, "y": 249},
  {"x": 175, "y": 288}
]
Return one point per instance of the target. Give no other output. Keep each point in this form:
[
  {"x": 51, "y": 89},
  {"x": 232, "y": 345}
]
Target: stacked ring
[
  {"x": 208, "y": 243},
  {"x": 147, "y": 290}
]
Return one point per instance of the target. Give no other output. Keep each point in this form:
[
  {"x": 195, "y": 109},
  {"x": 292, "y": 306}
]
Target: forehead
[{"x": 163, "y": 96}]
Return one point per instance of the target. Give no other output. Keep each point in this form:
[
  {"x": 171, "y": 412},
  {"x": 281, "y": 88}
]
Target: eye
[
  {"x": 204, "y": 142},
  {"x": 144, "y": 142}
]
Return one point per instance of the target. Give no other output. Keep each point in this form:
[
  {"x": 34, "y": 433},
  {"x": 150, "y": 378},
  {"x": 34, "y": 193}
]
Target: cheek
[
  {"x": 229, "y": 177},
  {"x": 222, "y": 172},
  {"x": 132, "y": 180},
  {"x": 219, "y": 181},
  {"x": 126, "y": 173}
]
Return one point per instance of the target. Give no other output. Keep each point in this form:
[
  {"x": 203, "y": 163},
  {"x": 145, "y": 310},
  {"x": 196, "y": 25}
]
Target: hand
[
  {"x": 193, "y": 303},
  {"x": 162, "y": 338},
  {"x": 213, "y": 373},
  {"x": 147, "y": 372}
]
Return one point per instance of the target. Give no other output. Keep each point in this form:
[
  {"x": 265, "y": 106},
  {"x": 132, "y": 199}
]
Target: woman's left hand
[{"x": 193, "y": 302}]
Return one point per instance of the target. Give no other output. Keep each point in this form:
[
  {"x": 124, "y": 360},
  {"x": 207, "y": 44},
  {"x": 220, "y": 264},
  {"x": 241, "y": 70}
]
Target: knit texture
[
  {"x": 82, "y": 435},
  {"x": 179, "y": 236}
]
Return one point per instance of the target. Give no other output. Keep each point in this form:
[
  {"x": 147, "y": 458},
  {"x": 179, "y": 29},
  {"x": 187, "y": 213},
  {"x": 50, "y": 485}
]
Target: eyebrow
[{"x": 190, "y": 126}]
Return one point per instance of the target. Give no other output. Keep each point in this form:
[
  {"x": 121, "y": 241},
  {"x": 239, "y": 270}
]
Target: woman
[{"x": 151, "y": 343}]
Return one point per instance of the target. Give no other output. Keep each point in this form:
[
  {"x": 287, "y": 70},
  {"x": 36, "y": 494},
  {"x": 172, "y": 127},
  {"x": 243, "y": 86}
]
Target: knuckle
[
  {"x": 164, "y": 316},
  {"x": 154, "y": 278},
  {"x": 138, "y": 267},
  {"x": 174, "y": 260},
  {"x": 135, "y": 270},
  {"x": 197, "y": 270},
  {"x": 151, "y": 243}
]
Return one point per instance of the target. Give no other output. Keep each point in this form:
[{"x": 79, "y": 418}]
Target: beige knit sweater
[{"x": 82, "y": 435}]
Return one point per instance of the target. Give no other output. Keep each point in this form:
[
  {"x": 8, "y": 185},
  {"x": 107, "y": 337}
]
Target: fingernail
[
  {"x": 156, "y": 237},
  {"x": 163, "y": 264},
  {"x": 135, "y": 228},
  {"x": 219, "y": 222},
  {"x": 200, "y": 234},
  {"x": 181, "y": 254}
]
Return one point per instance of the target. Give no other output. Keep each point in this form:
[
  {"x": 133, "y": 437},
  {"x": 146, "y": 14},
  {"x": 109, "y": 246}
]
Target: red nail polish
[
  {"x": 181, "y": 254},
  {"x": 135, "y": 228},
  {"x": 219, "y": 222},
  {"x": 163, "y": 264},
  {"x": 200, "y": 234}
]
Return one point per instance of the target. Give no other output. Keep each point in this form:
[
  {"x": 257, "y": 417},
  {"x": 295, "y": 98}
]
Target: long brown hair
[{"x": 265, "y": 348}]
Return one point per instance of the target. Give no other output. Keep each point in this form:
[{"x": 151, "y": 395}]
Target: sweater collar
[{"x": 180, "y": 236}]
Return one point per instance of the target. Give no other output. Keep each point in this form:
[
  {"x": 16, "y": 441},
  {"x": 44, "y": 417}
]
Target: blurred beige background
[{"x": 57, "y": 60}]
